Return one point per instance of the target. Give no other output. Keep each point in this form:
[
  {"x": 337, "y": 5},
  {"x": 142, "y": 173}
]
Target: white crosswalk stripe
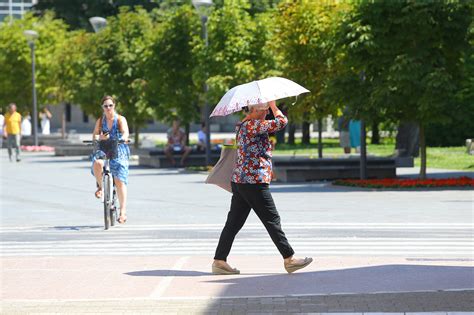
[{"x": 354, "y": 239}]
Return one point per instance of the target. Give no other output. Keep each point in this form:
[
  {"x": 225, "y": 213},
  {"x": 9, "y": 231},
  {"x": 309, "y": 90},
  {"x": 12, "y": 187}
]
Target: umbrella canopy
[{"x": 256, "y": 92}]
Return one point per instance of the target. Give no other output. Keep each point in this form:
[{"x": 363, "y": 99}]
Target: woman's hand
[
  {"x": 276, "y": 112},
  {"x": 104, "y": 137}
]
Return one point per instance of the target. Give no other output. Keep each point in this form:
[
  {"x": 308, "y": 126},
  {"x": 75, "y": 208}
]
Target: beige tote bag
[{"x": 221, "y": 174}]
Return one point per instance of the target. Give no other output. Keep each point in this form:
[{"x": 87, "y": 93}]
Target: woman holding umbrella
[{"x": 250, "y": 182}]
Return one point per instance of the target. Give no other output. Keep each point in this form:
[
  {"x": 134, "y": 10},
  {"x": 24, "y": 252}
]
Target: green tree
[
  {"x": 172, "y": 91},
  {"x": 236, "y": 52},
  {"x": 114, "y": 63},
  {"x": 15, "y": 60},
  {"x": 254, "y": 6},
  {"x": 459, "y": 125},
  {"x": 305, "y": 41},
  {"x": 411, "y": 54}
]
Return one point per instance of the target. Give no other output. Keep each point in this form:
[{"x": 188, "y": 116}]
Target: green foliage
[
  {"x": 170, "y": 65},
  {"x": 459, "y": 124},
  {"x": 386, "y": 60},
  {"x": 15, "y": 60},
  {"x": 409, "y": 54},
  {"x": 236, "y": 52},
  {"x": 253, "y": 7},
  {"x": 305, "y": 41},
  {"x": 113, "y": 63}
]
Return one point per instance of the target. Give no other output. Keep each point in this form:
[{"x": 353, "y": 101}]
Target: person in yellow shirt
[{"x": 12, "y": 131}]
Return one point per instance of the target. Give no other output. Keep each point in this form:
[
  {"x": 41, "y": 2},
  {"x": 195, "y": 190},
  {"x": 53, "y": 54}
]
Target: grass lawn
[{"x": 454, "y": 158}]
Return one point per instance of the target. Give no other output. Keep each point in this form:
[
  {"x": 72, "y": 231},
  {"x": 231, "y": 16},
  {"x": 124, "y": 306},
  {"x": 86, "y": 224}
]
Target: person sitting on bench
[{"x": 176, "y": 144}]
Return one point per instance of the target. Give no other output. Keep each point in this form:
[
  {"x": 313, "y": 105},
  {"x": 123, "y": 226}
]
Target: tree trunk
[
  {"x": 63, "y": 121},
  {"x": 306, "y": 133},
  {"x": 375, "y": 133},
  {"x": 320, "y": 138},
  {"x": 423, "y": 152},
  {"x": 291, "y": 133},
  {"x": 136, "y": 138}
]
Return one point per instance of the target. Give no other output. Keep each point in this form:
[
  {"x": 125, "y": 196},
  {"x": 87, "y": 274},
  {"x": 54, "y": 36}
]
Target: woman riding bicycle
[{"x": 113, "y": 126}]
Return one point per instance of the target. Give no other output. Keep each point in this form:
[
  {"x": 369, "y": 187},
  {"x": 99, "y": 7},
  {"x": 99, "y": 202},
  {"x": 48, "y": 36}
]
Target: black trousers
[{"x": 258, "y": 198}]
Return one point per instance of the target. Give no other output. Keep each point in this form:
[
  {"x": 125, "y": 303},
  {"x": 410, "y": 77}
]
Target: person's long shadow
[
  {"x": 173, "y": 273},
  {"x": 375, "y": 279}
]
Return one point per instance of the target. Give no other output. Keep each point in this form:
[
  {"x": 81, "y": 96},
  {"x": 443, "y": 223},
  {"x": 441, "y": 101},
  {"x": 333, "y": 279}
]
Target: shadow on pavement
[
  {"x": 77, "y": 227},
  {"x": 386, "y": 278},
  {"x": 55, "y": 161},
  {"x": 328, "y": 188},
  {"x": 168, "y": 273},
  {"x": 160, "y": 172}
]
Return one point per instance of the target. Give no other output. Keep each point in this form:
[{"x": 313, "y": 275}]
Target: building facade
[
  {"x": 15, "y": 8},
  {"x": 76, "y": 120}
]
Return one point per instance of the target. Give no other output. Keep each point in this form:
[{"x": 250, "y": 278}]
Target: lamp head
[
  {"x": 31, "y": 35},
  {"x": 203, "y": 7},
  {"x": 98, "y": 23}
]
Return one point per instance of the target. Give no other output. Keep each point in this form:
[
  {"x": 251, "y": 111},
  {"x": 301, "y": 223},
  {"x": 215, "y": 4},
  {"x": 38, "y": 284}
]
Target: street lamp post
[
  {"x": 203, "y": 7},
  {"x": 363, "y": 145},
  {"x": 31, "y": 36}
]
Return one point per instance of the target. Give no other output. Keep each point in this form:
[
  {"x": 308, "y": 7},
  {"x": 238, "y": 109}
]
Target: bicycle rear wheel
[{"x": 107, "y": 198}]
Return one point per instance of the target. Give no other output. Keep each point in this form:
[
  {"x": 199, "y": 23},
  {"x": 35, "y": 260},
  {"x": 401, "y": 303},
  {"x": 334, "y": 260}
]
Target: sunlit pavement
[{"x": 374, "y": 251}]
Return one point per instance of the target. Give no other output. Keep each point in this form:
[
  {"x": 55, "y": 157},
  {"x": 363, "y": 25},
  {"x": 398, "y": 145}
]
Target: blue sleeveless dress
[{"x": 119, "y": 165}]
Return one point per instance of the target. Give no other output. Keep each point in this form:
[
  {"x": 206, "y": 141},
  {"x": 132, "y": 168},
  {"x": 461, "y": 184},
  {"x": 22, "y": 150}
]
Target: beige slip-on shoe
[
  {"x": 222, "y": 271},
  {"x": 290, "y": 268}
]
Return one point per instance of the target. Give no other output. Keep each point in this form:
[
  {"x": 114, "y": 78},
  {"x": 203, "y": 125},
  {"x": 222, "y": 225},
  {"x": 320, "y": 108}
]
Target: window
[
  {"x": 68, "y": 112},
  {"x": 85, "y": 117}
]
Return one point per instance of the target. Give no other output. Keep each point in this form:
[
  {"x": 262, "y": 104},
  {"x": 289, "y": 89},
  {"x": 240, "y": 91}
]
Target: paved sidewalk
[
  {"x": 375, "y": 251},
  {"x": 184, "y": 284},
  {"x": 461, "y": 301}
]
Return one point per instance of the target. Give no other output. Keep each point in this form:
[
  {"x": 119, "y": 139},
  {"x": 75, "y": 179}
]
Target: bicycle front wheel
[
  {"x": 113, "y": 207},
  {"x": 107, "y": 199}
]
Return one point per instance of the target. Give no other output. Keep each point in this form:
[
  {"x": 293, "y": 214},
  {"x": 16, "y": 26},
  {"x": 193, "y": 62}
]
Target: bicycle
[{"x": 109, "y": 193}]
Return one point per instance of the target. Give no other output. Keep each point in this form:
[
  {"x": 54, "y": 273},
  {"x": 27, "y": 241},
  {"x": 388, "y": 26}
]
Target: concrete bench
[
  {"x": 72, "y": 150},
  {"x": 290, "y": 169},
  {"x": 156, "y": 158},
  {"x": 78, "y": 150}
]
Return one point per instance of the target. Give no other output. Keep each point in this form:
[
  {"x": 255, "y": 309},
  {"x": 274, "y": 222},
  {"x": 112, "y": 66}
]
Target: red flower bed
[
  {"x": 39, "y": 148},
  {"x": 407, "y": 183}
]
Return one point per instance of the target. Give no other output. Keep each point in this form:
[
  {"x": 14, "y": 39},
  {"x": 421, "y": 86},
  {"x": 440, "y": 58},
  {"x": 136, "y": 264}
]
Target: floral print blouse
[{"x": 254, "y": 153}]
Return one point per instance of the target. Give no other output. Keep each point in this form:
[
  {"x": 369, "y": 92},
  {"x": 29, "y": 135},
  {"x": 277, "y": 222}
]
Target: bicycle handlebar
[{"x": 96, "y": 141}]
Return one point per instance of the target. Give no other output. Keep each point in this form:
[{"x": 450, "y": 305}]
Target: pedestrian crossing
[{"x": 409, "y": 240}]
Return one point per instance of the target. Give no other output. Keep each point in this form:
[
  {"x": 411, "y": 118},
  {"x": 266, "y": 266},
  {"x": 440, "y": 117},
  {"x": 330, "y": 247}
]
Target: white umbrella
[{"x": 256, "y": 92}]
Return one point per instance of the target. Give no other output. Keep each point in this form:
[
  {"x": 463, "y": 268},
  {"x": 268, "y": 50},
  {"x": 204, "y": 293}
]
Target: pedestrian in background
[
  {"x": 45, "y": 117},
  {"x": 202, "y": 140},
  {"x": 344, "y": 139},
  {"x": 2, "y": 121},
  {"x": 354, "y": 134},
  {"x": 250, "y": 189},
  {"x": 26, "y": 125},
  {"x": 12, "y": 131}
]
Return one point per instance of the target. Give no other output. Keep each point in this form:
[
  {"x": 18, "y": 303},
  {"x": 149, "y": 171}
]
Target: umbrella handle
[{"x": 296, "y": 99}]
